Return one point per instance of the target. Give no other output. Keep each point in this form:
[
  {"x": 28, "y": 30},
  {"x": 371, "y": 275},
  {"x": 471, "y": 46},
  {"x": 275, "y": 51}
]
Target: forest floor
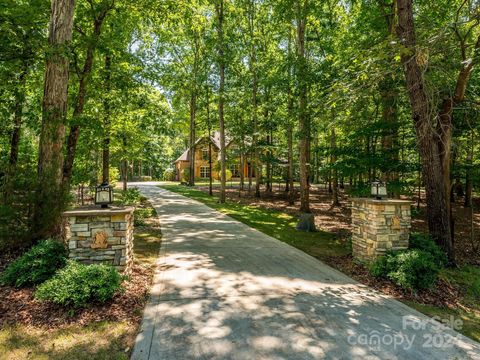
[
  {"x": 457, "y": 292},
  {"x": 30, "y": 329}
]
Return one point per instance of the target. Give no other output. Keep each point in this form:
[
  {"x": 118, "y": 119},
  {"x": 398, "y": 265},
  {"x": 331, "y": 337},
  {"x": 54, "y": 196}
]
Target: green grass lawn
[{"x": 279, "y": 225}]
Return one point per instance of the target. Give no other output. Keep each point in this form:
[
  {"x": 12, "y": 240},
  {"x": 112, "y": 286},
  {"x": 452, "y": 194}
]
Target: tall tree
[
  {"x": 49, "y": 197},
  {"x": 434, "y": 129},
  {"x": 303, "y": 116},
  {"x": 97, "y": 15},
  {"x": 219, "y": 8}
]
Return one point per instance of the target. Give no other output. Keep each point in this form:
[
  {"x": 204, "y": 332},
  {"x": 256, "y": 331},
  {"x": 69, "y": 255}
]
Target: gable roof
[{"x": 215, "y": 139}]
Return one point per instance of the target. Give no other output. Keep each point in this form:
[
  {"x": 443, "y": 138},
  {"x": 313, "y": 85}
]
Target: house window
[
  {"x": 204, "y": 172},
  {"x": 235, "y": 169},
  {"x": 205, "y": 153}
]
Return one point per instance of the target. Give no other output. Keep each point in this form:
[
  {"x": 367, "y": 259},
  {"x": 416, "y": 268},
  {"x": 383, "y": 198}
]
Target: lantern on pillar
[
  {"x": 379, "y": 190},
  {"x": 103, "y": 195}
]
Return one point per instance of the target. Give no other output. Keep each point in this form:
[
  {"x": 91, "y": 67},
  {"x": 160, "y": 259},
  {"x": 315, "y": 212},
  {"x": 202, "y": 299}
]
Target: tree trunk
[
  {"x": 242, "y": 169},
  {"x": 290, "y": 117},
  {"x": 291, "y": 187},
  {"x": 16, "y": 132},
  {"x": 221, "y": 100},
  {"x": 468, "y": 174},
  {"x": 209, "y": 125},
  {"x": 433, "y": 160},
  {"x": 191, "y": 153},
  {"x": 84, "y": 77},
  {"x": 316, "y": 173},
  {"x": 389, "y": 95},
  {"x": 106, "y": 123},
  {"x": 333, "y": 160},
  {"x": 50, "y": 199},
  {"x": 303, "y": 117}
]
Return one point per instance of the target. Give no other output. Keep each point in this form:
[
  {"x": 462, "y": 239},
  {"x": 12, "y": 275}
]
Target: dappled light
[{"x": 226, "y": 291}]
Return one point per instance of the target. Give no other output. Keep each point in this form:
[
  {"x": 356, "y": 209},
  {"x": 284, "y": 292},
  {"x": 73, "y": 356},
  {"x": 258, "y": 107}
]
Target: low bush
[
  {"x": 77, "y": 285},
  {"x": 169, "y": 175},
  {"x": 185, "y": 175},
  {"x": 141, "y": 214},
  {"x": 36, "y": 265},
  {"x": 411, "y": 269},
  {"x": 131, "y": 196},
  {"x": 425, "y": 243}
]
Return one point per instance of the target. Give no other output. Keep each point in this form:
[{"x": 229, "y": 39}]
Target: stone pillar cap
[
  {"x": 382, "y": 201},
  {"x": 95, "y": 210}
]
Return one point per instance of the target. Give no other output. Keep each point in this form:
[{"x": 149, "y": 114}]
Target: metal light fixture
[
  {"x": 379, "y": 190},
  {"x": 103, "y": 195}
]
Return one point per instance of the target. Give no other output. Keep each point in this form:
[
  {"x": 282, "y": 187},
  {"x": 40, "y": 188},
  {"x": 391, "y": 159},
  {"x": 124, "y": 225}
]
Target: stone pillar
[
  {"x": 378, "y": 226},
  {"x": 101, "y": 236}
]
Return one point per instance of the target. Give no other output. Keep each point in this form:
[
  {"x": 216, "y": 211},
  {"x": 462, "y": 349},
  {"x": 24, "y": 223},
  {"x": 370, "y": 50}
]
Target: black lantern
[
  {"x": 103, "y": 195},
  {"x": 379, "y": 190}
]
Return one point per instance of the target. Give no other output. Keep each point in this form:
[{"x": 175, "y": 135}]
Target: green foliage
[
  {"x": 36, "y": 265},
  {"x": 77, "y": 285},
  {"x": 411, "y": 269},
  {"x": 131, "y": 196},
  {"x": 425, "y": 243},
  {"x": 114, "y": 175},
  {"x": 141, "y": 214},
  {"x": 185, "y": 175},
  {"x": 228, "y": 175},
  {"x": 168, "y": 175}
]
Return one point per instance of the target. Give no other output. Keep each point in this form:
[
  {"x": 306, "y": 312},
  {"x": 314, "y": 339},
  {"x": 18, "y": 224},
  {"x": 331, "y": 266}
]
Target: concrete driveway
[{"x": 226, "y": 291}]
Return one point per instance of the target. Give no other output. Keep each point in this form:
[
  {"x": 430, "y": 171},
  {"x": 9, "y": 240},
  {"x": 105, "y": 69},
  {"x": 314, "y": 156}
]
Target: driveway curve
[{"x": 223, "y": 290}]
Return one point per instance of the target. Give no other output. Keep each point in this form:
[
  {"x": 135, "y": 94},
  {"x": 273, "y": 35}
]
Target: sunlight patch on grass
[
  {"x": 103, "y": 340},
  {"x": 277, "y": 224}
]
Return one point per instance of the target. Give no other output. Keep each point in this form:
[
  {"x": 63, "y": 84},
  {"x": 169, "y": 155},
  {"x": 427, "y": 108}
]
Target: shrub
[
  {"x": 141, "y": 214},
  {"x": 378, "y": 268},
  {"x": 131, "y": 196},
  {"x": 77, "y": 285},
  {"x": 36, "y": 265},
  {"x": 169, "y": 175},
  {"x": 425, "y": 243},
  {"x": 411, "y": 269},
  {"x": 185, "y": 175}
]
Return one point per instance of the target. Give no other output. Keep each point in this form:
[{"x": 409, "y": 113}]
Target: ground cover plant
[
  {"x": 78, "y": 285},
  {"x": 36, "y": 265}
]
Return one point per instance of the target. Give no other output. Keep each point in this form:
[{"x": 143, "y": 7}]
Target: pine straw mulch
[
  {"x": 444, "y": 294},
  {"x": 19, "y": 307}
]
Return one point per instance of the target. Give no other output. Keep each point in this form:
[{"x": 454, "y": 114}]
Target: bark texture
[
  {"x": 433, "y": 129},
  {"x": 49, "y": 197}
]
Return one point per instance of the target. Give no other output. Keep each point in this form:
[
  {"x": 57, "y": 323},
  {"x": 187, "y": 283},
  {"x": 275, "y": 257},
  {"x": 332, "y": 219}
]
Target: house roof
[{"x": 215, "y": 138}]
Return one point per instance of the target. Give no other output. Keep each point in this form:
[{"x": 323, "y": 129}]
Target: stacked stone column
[
  {"x": 101, "y": 236},
  {"x": 378, "y": 226}
]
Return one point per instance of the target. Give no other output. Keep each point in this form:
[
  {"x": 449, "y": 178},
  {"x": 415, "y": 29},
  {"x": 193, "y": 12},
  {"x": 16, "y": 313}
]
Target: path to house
[{"x": 226, "y": 291}]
